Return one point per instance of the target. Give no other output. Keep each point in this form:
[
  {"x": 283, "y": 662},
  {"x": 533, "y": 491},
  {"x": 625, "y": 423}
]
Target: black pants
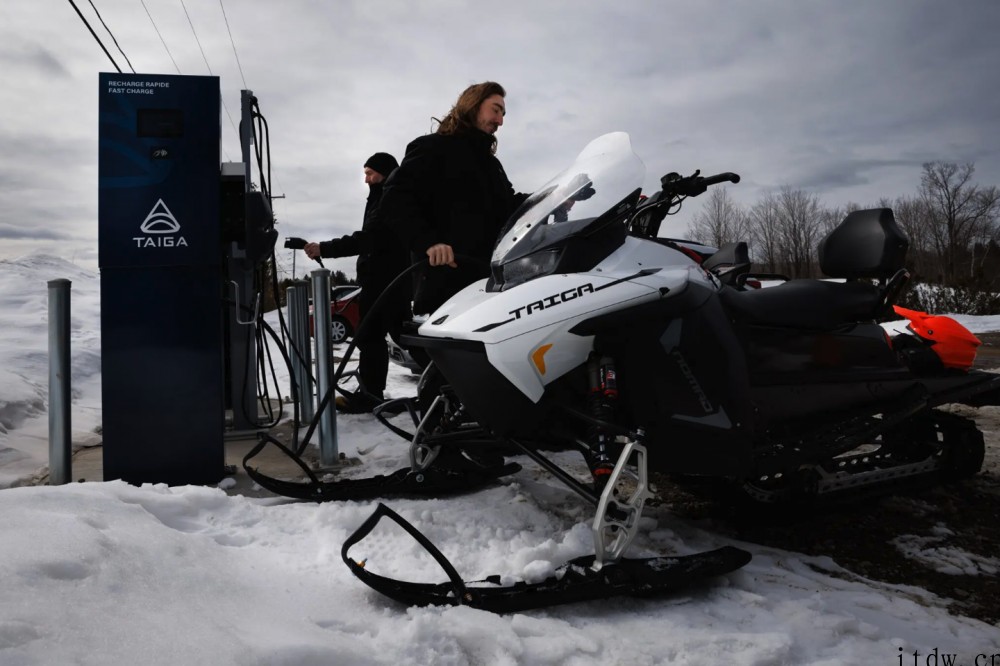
[{"x": 373, "y": 365}]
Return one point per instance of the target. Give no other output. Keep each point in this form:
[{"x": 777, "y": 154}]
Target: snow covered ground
[{"x": 107, "y": 573}]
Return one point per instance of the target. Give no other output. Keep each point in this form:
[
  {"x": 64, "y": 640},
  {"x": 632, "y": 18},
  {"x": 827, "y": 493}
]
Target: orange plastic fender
[{"x": 954, "y": 344}]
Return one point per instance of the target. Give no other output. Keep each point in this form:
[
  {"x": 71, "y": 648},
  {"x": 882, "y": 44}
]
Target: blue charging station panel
[{"x": 161, "y": 262}]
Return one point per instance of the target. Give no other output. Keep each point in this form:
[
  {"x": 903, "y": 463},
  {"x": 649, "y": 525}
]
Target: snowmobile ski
[
  {"x": 575, "y": 581},
  {"x": 460, "y": 474}
]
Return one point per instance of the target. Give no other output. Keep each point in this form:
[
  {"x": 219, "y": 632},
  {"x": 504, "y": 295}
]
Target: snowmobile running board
[
  {"x": 403, "y": 482},
  {"x": 573, "y": 582}
]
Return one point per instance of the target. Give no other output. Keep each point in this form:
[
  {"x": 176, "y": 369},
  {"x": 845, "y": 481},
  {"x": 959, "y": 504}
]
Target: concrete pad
[{"x": 88, "y": 462}]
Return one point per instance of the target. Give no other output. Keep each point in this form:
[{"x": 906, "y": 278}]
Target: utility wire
[
  {"x": 223, "y": 100},
  {"x": 80, "y": 14},
  {"x": 233, "y": 43},
  {"x": 162, "y": 41},
  {"x": 101, "y": 19},
  {"x": 191, "y": 23},
  {"x": 205, "y": 58}
]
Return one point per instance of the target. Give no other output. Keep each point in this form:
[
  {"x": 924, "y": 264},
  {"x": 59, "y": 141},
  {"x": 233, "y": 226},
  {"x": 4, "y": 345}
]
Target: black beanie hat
[{"x": 384, "y": 163}]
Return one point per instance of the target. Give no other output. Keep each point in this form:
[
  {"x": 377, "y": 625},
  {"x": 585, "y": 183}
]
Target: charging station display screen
[{"x": 160, "y": 123}]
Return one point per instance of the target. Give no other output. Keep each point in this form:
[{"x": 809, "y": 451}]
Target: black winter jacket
[
  {"x": 449, "y": 189},
  {"x": 381, "y": 255}
]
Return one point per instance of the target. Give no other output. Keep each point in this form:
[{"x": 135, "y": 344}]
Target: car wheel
[{"x": 339, "y": 330}]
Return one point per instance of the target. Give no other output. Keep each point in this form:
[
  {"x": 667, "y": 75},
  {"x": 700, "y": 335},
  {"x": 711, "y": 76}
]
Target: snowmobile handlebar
[
  {"x": 675, "y": 188},
  {"x": 693, "y": 185},
  {"x": 725, "y": 177}
]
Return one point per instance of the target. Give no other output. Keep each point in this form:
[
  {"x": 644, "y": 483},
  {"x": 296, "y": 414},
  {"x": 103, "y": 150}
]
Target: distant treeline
[{"x": 951, "y": 222}]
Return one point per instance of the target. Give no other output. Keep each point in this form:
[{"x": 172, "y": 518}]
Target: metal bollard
[
  {"x": 328, "y": 453},
  {"x": 60, "y": 437},
  {"x": 305, "y": 342},
  {"x": 294, "y": 350},
  {"x": 297, "y": 297}
]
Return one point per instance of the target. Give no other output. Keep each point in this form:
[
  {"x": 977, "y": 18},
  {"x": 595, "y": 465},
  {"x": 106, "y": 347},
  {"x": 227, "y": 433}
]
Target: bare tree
[
  {"x": 962, "y": 212},
  {"x": 984, "y": 239},
  {"x": 764, "y": 231},
  {"x": 914, "y": 219},
  {"x": 799, "y": 218},
  {"x": 829, "y": 218},
  {"x": 721, "y": 220}
]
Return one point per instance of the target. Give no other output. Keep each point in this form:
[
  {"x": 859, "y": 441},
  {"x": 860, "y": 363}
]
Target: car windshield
[
  {"x": 605, "y": 173},
  {"x": 343, "y": 292}
]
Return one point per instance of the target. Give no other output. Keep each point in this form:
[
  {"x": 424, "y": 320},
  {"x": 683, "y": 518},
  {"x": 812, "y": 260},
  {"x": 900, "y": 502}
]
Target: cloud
[
  {"x": 11, "y": 232},
  {"x": 846, "y": 100},
  {"x": 33, "y": 58},
  {"x": 42, "y": 198}
]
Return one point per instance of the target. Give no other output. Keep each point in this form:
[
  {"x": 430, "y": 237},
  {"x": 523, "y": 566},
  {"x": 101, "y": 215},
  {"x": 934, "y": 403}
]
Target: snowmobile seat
[
  {"x": 809, "y": 304},
  {"x": 866, "y": 246}
]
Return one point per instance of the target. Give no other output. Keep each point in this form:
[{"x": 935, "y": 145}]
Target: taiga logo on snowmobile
[{"x": 553, "y": 300}]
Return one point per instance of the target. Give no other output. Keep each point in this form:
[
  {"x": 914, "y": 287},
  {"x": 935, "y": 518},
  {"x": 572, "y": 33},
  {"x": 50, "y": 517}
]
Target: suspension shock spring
[{"x": 601, "y": 404}]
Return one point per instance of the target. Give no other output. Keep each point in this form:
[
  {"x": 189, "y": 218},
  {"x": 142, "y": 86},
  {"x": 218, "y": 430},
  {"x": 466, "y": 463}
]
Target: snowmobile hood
[
  {"x": 954, "y": 344},
  {"x": 602, "y": 179},
  {"x": 477, "y": 314}
]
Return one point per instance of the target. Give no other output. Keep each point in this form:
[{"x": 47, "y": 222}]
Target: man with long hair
[{"x": 450, "y": 196}]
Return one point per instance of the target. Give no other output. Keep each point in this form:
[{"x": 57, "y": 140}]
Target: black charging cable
[{"x": 363, "y": 326}]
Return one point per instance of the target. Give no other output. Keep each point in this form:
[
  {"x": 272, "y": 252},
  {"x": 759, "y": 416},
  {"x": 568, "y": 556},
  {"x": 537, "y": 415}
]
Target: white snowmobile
[{"x": 595, "y": 334}]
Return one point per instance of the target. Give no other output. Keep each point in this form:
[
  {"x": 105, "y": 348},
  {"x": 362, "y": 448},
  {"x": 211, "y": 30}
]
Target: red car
[{"x": 344, "y": 314}]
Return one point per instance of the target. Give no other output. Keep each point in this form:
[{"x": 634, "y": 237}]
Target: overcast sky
[{"x": 844, "y": 99}]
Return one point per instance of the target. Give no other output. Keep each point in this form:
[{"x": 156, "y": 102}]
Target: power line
[
  {"x": 231, "y": 41},
  {"x": 101, "y": 19},
  {"x": 162, "y": 41},
  {"x": 223, "y": 100},
  {"x": 205, "y": 58},
  {"x": 80, "y": 14},
  {"x": 234, "y": 44},
  {"x": 191, "y": 23}
]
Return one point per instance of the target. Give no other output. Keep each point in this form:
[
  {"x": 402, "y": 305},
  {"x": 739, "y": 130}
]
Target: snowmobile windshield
[{"x": 603, "y": 175}]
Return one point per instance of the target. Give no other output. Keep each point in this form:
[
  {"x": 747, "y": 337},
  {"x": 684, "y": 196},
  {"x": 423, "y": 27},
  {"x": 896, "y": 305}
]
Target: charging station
[{"x": 162, "y": 267}]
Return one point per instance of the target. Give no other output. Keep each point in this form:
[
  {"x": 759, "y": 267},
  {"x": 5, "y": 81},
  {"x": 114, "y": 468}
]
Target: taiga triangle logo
[{"x": 160, "y": 220}]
